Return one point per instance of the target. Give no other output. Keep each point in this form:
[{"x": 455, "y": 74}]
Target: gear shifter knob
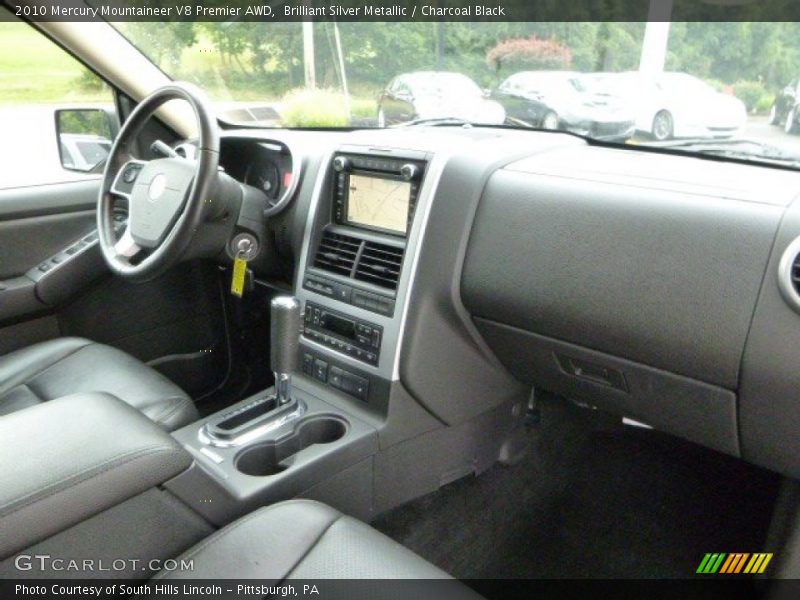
[{"x": 284, "y": 342}]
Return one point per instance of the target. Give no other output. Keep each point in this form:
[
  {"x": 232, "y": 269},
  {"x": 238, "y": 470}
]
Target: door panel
[
  {"x": 27, "y": 242},
  {"x": 36, "y": 223},
  {"x": 175, "y": 321}
]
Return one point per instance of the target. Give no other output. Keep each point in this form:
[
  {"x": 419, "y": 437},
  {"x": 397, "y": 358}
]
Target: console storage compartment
[{"x": 69, "y": 459}]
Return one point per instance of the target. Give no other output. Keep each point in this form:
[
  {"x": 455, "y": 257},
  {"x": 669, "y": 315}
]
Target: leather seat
[
  {"x": 66, "y": 366},
  {"x": 306, "y": 540}
]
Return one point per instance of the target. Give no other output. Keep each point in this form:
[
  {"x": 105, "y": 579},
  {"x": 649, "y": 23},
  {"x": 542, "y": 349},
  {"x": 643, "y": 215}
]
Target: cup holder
[{"x": 270, "y": 458}]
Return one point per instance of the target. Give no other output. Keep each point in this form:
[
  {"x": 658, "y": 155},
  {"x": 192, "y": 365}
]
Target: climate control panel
[{"x": 358, "y": 339}]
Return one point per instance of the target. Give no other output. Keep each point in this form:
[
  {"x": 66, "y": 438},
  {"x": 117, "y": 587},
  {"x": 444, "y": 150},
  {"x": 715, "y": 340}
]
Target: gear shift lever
[{"x": 284, "y": 343}]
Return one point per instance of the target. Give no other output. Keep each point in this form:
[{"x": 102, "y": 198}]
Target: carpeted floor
[{"x": 608, "y": 503}]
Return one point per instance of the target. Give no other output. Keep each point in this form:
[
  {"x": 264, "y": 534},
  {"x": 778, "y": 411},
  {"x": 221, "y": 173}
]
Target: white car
[
  {"x": 83, "y": 152},
  {"x": 676, "y": 105}
]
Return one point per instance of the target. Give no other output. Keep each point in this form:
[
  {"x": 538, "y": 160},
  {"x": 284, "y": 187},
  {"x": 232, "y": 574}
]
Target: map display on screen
[{"x": 378, "y": 202}]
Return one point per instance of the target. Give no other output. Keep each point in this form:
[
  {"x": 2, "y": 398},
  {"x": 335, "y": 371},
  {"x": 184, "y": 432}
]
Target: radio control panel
[
  {"x": 358, "y": 339},
  {"x": 364, "y": 225}
]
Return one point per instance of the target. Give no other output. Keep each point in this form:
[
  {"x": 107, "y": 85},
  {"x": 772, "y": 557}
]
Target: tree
[
  {"x": 164, "y": 43},
  {"x": 530, "y": 53}
]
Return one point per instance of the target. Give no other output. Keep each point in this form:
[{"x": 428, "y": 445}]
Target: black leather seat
[
  {"x": 66, "y": 366},
  {"x": 306, "y": 540}
]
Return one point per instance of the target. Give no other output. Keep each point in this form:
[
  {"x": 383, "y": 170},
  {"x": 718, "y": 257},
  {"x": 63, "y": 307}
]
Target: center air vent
[
  {"x": 380, "y": 264},
  {"x": 337, "y": 253},
  {"x": 789, "y": 275},
  {"x": 372, "y": 262}
]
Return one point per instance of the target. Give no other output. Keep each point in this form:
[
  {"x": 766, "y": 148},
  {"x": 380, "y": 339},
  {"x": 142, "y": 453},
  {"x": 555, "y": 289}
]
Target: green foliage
[
  {"x": 241, "y": 60},
  {"x": 265, "y": 61},
  {"x": 314, "y": 108},
  {"x": 164, "y": 43},
  {"x": 732, "y": 51},
  {"x": 84, "y": 122},
  {"x": 749, "y": 92},
  {"x": 764, "y": 104},
  {"x": 35, "y": 70},
  {"x": 88, "y": 81},
  {"x": 363, "y": 108}
]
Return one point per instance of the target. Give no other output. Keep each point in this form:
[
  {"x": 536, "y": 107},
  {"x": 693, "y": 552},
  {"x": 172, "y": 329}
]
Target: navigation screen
[{"x": 378, "y": 202}]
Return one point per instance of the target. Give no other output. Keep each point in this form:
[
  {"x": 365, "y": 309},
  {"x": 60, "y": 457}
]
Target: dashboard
[
  {"x": 466, "y": 264},
  {"x": 269, "y": 166}
]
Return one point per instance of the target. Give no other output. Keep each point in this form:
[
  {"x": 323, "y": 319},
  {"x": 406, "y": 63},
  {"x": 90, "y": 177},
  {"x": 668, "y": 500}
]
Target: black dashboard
[{"x": 468, "y": 262}]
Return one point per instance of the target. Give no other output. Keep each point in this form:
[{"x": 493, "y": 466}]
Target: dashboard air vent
[
  {"x": 372, "y": 262},
  {"x": 380, "y": 264},
  {"x": 337, "y": 253},
  {"x": 789, "y": 275},
  {"x": 796, "y": 274}
]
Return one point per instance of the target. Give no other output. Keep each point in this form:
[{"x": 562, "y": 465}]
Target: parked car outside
[
  {"x": 436, "y": 94},
  {"x": 784, "y": 110},
  {"x": 563, "y": 100},
  {"x": 83, "y": 152},
  {"x": 675, "y": 105}
]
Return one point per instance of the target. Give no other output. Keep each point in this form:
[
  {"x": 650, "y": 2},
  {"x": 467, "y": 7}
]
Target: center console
[
  {"x": 279, "y": 444},
  {"x": 334, "y": 350},
  {"x": 356, "y": 267}
]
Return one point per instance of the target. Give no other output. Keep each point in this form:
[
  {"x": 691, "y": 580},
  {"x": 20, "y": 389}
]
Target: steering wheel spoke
[
  {"x": 125, "y": 179},
  {"x": 126, "y": 247}
]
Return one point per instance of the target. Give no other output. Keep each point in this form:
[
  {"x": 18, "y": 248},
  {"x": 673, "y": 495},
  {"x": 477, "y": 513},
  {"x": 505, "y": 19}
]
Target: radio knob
[
  {"x": 340, "y": 163},
  {"x": 408, "y": 171}
]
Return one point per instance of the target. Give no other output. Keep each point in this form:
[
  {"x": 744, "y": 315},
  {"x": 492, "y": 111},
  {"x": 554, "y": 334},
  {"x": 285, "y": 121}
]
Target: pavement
[{"x": 758, "y": 129}]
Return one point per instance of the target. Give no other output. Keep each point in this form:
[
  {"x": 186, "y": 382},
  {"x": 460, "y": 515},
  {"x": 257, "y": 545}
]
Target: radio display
[
  {"x": 343, "y": 327},
  {"x": 378, "y": 202}
]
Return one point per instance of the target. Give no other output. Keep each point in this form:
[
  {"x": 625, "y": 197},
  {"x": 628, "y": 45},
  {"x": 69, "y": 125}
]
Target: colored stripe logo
[{"x": 734, "y": 562}]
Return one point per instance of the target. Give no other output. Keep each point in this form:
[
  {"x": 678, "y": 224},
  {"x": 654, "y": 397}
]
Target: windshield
[{"x": 642, "y": 83}]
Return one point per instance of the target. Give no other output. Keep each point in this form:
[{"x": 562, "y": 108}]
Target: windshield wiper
[
  {"x": 435, "y": 121},
  {"x": 734, "y": 148}
]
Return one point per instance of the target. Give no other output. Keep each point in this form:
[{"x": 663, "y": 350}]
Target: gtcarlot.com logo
[
  {"x": 731, "y": 563},
  {"x": 46, "y": 562}
]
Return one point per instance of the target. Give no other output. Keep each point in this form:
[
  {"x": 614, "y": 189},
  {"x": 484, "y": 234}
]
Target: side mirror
[{"x": 84, "y": 138}]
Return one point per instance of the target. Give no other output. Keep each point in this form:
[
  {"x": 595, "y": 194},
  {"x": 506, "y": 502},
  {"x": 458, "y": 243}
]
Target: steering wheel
[{"x": 166, "y": 197}]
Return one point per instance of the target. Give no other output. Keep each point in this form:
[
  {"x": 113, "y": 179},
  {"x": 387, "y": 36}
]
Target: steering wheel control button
[{"x": 130, "y": 173}]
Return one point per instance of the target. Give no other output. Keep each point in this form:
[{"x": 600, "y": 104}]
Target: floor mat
[{"x": 618, "y": 503}]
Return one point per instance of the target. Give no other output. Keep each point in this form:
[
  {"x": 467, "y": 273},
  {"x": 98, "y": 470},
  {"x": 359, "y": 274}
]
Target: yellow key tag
[{"x": 239, "y": 272}]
